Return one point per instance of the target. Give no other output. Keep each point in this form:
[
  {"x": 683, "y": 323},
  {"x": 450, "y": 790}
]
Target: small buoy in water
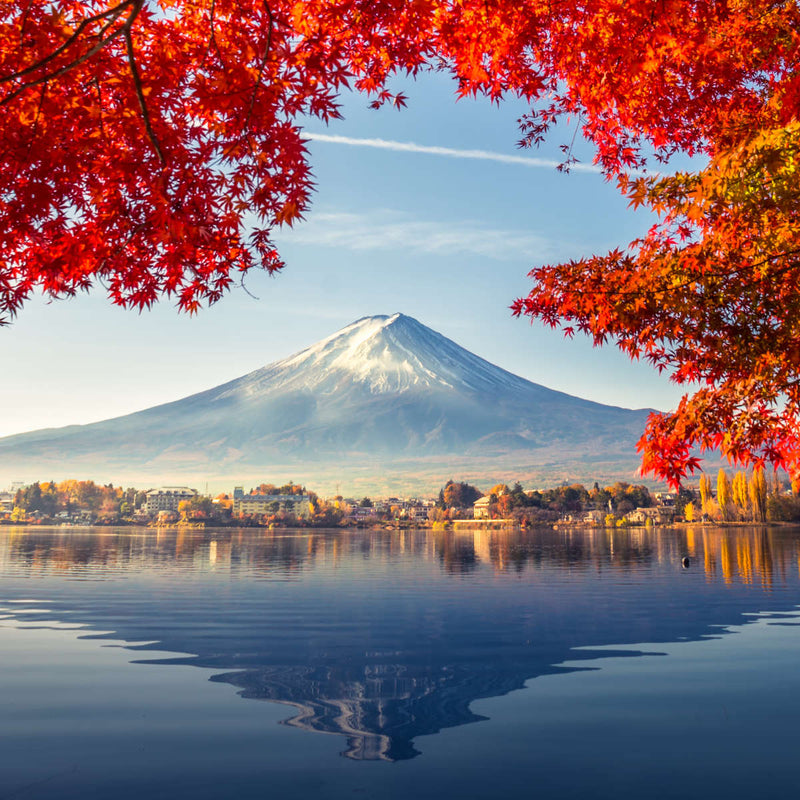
[{"x": 685, "y": 562}]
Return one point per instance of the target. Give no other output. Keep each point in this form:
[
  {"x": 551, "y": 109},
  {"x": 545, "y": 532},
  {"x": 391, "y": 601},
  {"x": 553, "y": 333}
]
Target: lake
[{"x": 399, "y": 664}]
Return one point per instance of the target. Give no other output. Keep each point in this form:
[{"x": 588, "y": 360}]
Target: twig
[
  {"x": 100, "y": 107},
  {"x": 212, "y": 39},
  {"x": 38, "y": 114},
  {"x": 137, "y": 82},
  {"x": 247, "y": 291},
  {"x": 23, "y": 23},
  {"x": 261, "y": 66}
]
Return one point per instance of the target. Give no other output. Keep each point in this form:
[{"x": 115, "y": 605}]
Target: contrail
[{"x": 450, "y": 152}]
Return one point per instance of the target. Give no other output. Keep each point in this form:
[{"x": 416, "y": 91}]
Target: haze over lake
[{"x": 139, "y": 663}]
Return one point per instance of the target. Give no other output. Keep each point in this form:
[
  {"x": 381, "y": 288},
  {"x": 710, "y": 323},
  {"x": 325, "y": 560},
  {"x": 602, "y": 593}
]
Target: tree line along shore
[{"x": 742, "y": 497}]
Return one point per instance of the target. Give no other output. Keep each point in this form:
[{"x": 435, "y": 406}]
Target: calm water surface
[{"x": 399, "y": 664}]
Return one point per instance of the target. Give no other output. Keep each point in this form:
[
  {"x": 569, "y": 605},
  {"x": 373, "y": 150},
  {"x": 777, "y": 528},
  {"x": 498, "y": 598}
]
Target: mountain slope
[{"x": 382, "y": 391}]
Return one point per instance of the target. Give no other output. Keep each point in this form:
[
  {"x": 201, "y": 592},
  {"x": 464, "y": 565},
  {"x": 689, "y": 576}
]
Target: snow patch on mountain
[{"x": 383, "y": 354}]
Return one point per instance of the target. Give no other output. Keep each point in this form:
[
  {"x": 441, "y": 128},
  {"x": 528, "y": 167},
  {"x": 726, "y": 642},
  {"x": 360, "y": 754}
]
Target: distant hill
[{"x": 384, "y": 405}]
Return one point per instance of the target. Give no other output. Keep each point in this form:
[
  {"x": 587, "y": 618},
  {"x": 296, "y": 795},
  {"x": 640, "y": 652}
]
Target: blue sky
[{"x": 443, "y": 237}]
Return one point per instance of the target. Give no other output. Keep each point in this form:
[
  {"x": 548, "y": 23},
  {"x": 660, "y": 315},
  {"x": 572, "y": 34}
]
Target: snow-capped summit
[
  {"x": 382, "y": 355},
  {"x": 386, "y": 354},
  {"x": 381, "y": 392}
]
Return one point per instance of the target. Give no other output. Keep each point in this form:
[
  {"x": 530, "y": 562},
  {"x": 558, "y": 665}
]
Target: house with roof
[{"x": 480, "y": 508}]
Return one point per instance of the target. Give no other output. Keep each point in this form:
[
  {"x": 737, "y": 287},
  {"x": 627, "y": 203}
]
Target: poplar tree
[
  {"x": 705, "y": 493},
  {"x": 724, "y": 494},
  {"x": 741, "y": 496},
  {"x": 757, "y": 487}
]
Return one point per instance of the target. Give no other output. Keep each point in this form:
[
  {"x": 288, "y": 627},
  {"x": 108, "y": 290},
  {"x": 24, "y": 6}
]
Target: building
[
  {"x": 167, "y": 498},
  {"x": 297, "y": 504},
  {"x": 6, "y": 502},
  {"x": 480, "y": 508},
  {"x": 666, "y": 498},
  {"x": 417, "y": 511},
  {"x": 658, "y": 514}
]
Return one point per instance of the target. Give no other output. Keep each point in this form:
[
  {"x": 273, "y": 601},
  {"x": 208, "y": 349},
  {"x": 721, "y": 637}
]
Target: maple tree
[
  {"x": 152, "y": 147},
  {"x": 710, "y": 293}
]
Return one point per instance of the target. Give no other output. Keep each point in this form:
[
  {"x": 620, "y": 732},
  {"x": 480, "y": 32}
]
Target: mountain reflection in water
[{"x": 387, "y": 636}]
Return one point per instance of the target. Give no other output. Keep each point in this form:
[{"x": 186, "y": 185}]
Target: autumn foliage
[
  {"x": 153, "y": 147},
  {"x": 711, "y": 293}
]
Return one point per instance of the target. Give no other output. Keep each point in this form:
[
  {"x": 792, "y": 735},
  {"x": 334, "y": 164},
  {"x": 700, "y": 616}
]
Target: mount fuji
[{"x": 384, "y": 404}]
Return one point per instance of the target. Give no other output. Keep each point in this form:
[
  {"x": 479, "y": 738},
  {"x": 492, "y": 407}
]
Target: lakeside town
[{"x": 744, "y": 497}]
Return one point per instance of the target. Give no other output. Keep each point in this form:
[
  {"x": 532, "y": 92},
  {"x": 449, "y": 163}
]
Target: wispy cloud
[
  {"x": 449, "y": 152},
  {"x": 388, "y": 230}
]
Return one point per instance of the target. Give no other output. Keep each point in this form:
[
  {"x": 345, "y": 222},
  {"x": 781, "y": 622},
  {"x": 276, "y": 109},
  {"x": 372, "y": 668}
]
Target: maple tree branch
[
  {"x": 738, "y": 271},
  {"x": 769, "y": 9},
  {"x": 101, "y": 267},
  {"x": 568, "y": 149},
  {"x": 137, "y": 82},
  {"x": 34, "y": 127},
  {"x": 212, "y": 38},
  {"x": 649, "y": 291},
  {"x": 96, "y": 83},
  {"x": 114, "y": 13},
  {"x": 38, "y": 115},
  {"x": 126, "y": 26},
  {"x": 23, "y": 23},
  {"x": 724, "y": 274},
  {"x": 113, "y": 19},
  {"x": 261, "y": 66},
  {"x": 247, "y": 291}
]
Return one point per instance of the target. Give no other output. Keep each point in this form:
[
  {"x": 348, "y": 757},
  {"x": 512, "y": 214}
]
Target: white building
[
  {"x": 297, "y": 504},
  {"x": 167, "y": 498},
  {"x": 6, "y": 501},
  {"x": 480, "y": 508}
]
